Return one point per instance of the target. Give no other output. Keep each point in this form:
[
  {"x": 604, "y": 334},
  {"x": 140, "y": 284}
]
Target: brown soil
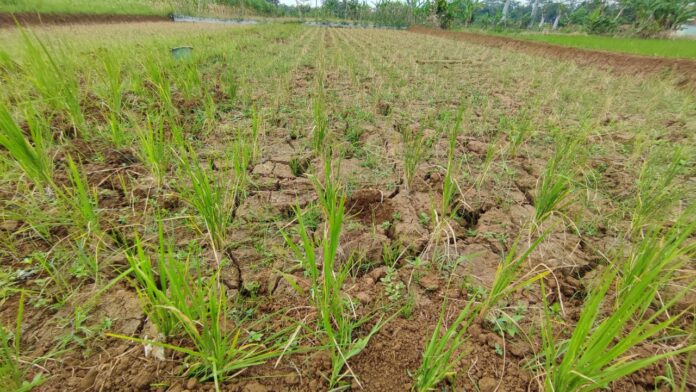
[
  {"x": 7, "y": 20},
  {"x": 683, "y": 69}
]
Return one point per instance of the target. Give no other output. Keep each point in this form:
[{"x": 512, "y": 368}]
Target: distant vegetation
[{"x": 638, "y": 18}]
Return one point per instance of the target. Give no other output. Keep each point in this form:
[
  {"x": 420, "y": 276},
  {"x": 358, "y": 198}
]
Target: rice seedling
[
  {"x": 189, "y": 80},
  {"x": 321, "y": 122},
  {"x": 592, "y": 358},
  {"x": 82, "y": 198},
  {"x": 213, "y": 199},
  {"x": 413, "y": 152},
  {"x": 450, "y": 187},
  {"x": 444, "y": 348},
  {"x": 178, "y": 299},
  {"x": 160, "y": 82},
  {"x": 53, "y": 79},
  {"x": 31, "y": 155},
  {"x": 492, "y": 153},
  {"x": 555, "y": 187},
  {"x": 153, "y": 150},
  {"x": 655, "y": 190},
  {"x": 12, "y": 366},
  {"x": 115, "y": 84},
  {"x": 519, "y": 128},
  {"x": 167, "y": 286},
  {"x": 244, "y": 153},
  {"x": 336, "y": 320}
]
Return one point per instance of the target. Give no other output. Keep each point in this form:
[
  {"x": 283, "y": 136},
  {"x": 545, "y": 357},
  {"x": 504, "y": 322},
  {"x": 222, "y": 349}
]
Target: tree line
[{"x": 631, "y": 17}]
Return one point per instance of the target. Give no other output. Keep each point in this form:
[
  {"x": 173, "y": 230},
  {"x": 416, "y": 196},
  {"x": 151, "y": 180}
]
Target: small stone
[
  {"x": 313, "y": 385},
  {"x": 89, "y": 378},
  {"x": 487, "y": 384},
  {"x": 191, "y": 383},
  {"x": 363, "y": 297},
  {"x": 430, "y": 282},
  {"x": 292, "y": 379},
  {"x": 377, "y": 273},
  {"x": 255, "y": 387}
]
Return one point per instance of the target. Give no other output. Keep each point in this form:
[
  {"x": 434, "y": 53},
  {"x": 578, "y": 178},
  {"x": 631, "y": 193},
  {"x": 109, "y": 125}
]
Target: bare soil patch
[{"x": 7, "y": 20}]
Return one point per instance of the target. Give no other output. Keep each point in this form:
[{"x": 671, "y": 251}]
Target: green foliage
[
  {"x": 592, "y": 358},
  {"x": 83, "y": 199},
  {"x": 443, "y": 350},
  {"x": 413, "y": 152},
  {"x": 213, "y": 199},
  {"x": 177, "y": 298},
  {"x": 336, "y": 319},
  {"x": 12, "y": 367},
  {"x": 53, "y": 79},
  {"x": 31, "y": 154}
]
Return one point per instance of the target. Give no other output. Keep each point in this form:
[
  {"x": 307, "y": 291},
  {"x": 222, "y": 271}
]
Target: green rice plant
[
  {"x": 12, "y": 367},
  {"x": 449, "y": 184},
  {"x": 82, "y": 198},
  {"x": 219, "y": 351},
  {"x": 230, "y": 84},
  {"x": 336, "y": 320},
  {"x": 166, "y": 285},
  {"x": 177, "y": 298},
  {"x": 56, "y": 82},
  {"x": 242, "y": 156},
  {"x": 599, "y": 350},
  {"x": 210, "y": 111},
  {"x": 413, "y": 152},
  {"x": 256, "y": 125},
  {"x": 115, "y": 84},
  {"x": 214, "y": 199},
  {"x": 162, "y": 85},
  {"x": 555, "y": 187},
  {"x": 444, "y": 348},
  {"x": 655, "y": 190},
  {"x": 320, "y": 131},
  {"x": 519, "y": 128},
  {"x": 86, "y": 262},
  {"x": 30, "y": 154},
  {"x": 153, "y": 149},
  {"x": 491, "y": 154},
  {"x": 189, "y": 80},
  {"x": 62, "y": 284}
]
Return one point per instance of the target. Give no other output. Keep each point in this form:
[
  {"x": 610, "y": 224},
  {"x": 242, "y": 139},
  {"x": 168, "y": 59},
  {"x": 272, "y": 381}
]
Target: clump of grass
[
  {"x": 299, "y": 166},
  {"x": 31, "y": 154},
  {"x": 592, "y": 358},
  {"x": 443, "y": 351},
  {"x": 327, "y": 276},
  {"x": 413, "y": 152}
]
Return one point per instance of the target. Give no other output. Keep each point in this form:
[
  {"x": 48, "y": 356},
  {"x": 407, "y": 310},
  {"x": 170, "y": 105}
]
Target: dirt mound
[
  {"x": 30, "y": 19},
  {"x": 684, "y": 70}
]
